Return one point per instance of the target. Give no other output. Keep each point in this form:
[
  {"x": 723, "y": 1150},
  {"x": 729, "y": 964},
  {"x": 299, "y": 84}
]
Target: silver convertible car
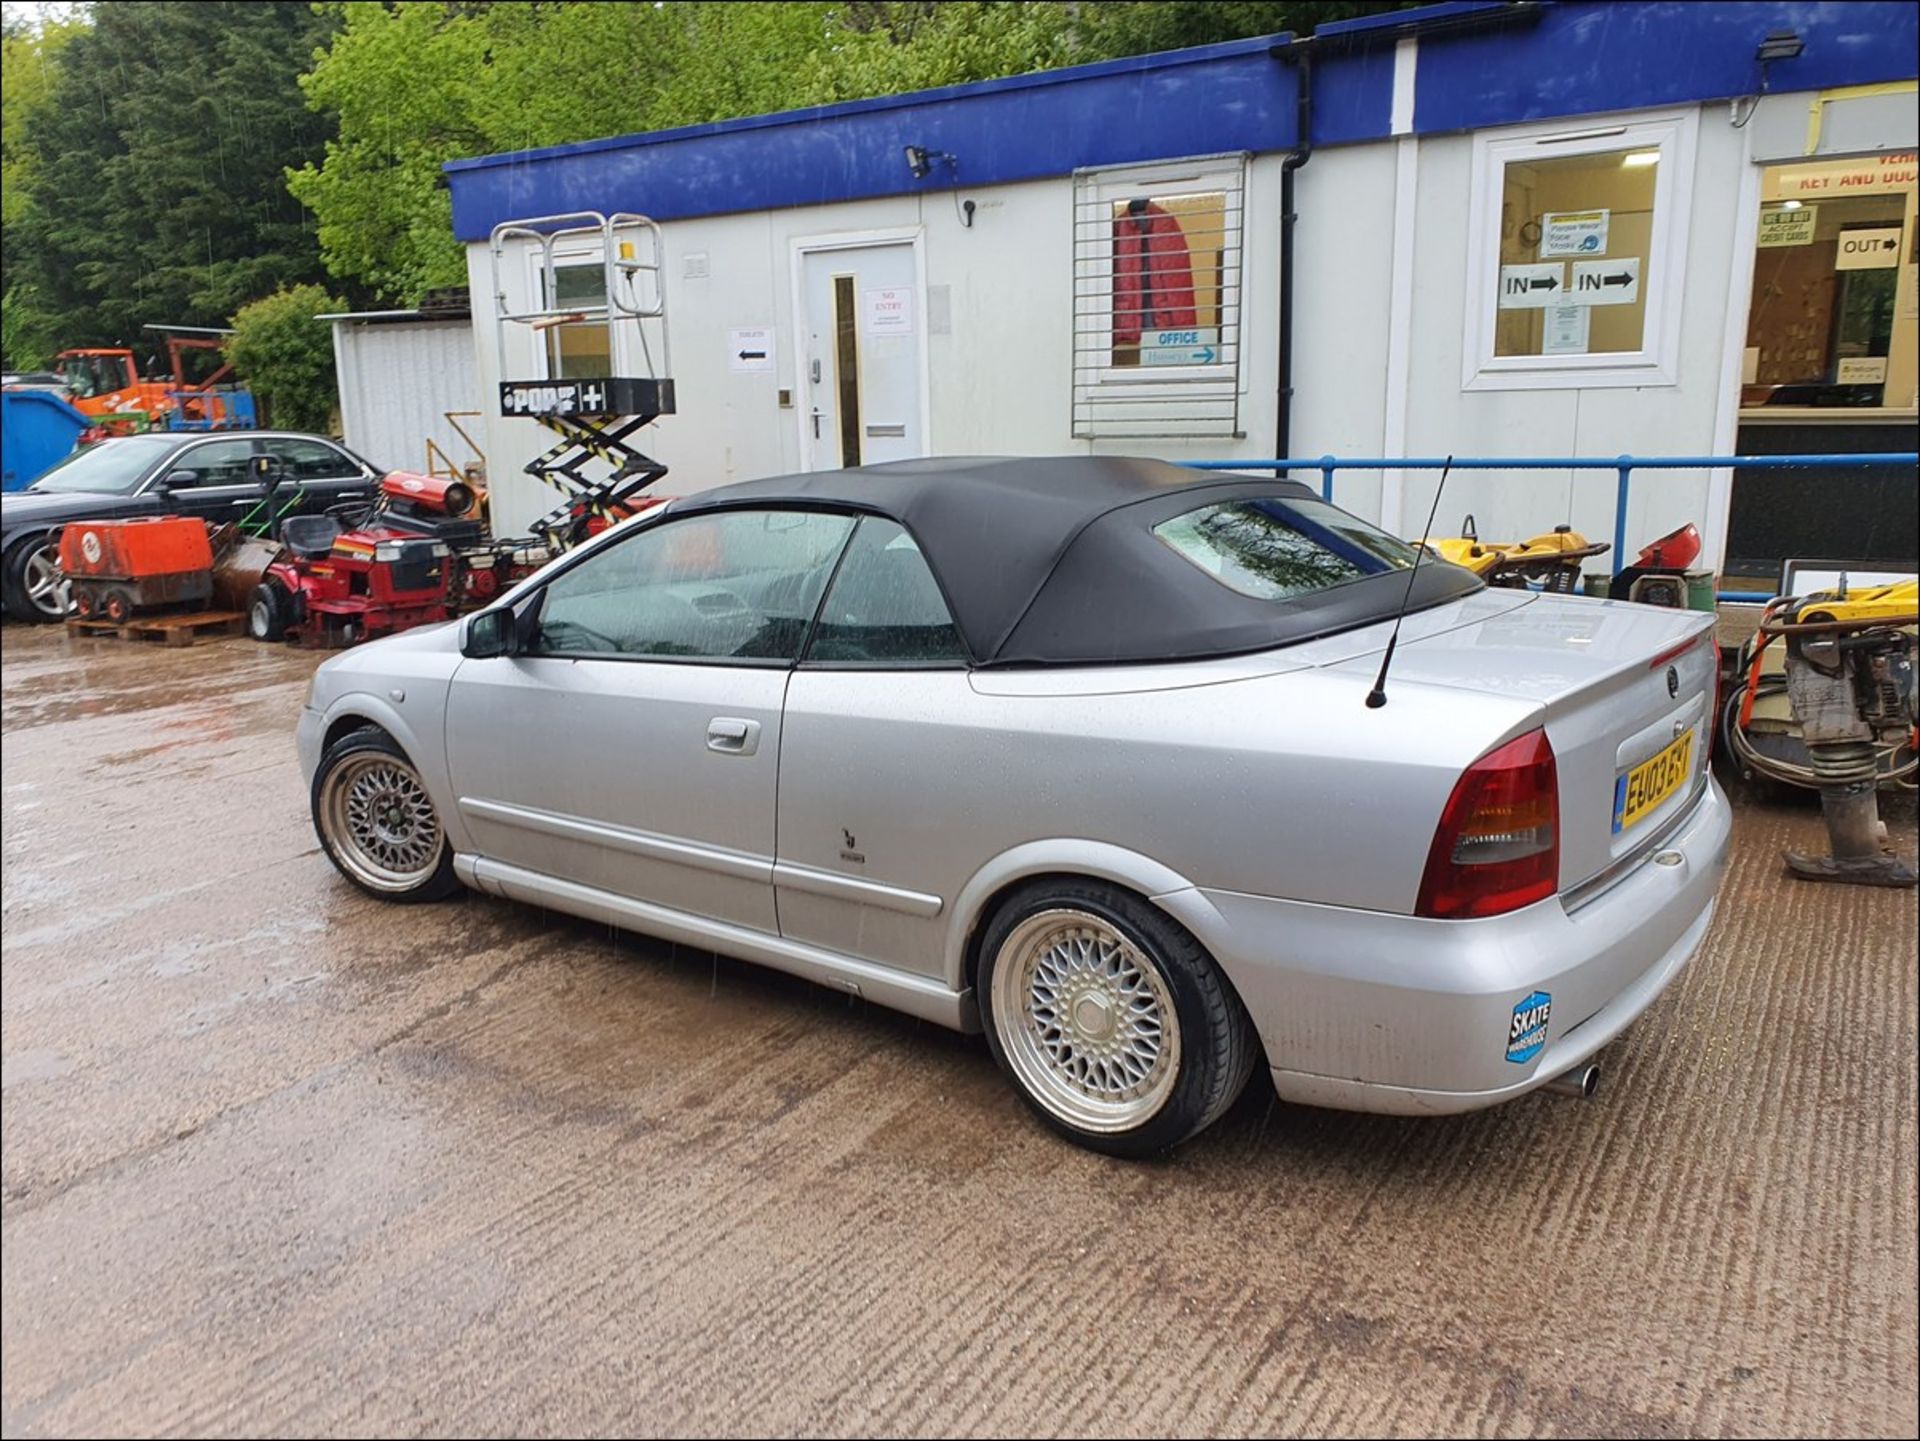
[{"x": 1077, "y": 752}]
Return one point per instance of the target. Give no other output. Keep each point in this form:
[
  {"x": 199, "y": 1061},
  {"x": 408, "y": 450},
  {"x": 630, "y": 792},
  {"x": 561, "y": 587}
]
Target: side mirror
[
  {"x": 173, "y": 479},
  {"x": 488, "y": 634},
  {"x": 504, "y": 630}
]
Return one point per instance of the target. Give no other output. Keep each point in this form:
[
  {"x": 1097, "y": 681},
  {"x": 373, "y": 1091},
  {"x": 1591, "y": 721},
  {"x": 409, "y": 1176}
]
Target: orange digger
[{"x": 105, "y": 385}]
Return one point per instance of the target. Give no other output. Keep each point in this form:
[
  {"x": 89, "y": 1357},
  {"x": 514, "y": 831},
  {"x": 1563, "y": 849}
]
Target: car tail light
[{"x": 1498, "y": 845}]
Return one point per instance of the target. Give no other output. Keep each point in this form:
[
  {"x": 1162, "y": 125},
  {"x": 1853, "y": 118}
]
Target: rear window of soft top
[{"x": 1282, "y": 547}]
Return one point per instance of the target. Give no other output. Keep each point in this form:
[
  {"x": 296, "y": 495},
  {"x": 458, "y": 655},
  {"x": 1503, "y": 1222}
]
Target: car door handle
[{"x": 732, "y": 736}]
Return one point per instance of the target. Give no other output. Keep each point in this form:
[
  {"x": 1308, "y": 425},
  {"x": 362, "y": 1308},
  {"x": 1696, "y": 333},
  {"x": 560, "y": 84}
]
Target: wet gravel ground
[{"x": 278, "y": 1158}]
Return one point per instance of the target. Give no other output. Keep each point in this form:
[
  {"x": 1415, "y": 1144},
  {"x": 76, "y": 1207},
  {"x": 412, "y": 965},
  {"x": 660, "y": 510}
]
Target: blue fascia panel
[
  {"x": 1210, "y": 100},
  {"x": 1581, "y": 57},
  {"x": 1195, "y": 55},
  {"x": 1352, "y": 95},
  {"x": 1193, "y": 102},
  {"x": 1586, "y": 58}
]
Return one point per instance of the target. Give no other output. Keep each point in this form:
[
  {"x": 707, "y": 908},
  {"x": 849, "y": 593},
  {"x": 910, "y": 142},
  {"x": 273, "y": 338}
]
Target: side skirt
[{"x": 915, "y": 995}]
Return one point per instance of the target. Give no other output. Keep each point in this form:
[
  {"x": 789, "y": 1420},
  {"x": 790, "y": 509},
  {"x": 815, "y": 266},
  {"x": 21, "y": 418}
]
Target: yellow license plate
[{"x": 1640, "y": 790}]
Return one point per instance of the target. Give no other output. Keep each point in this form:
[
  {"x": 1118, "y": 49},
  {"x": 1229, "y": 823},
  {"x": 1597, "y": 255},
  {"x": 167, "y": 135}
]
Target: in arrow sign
[
  {"x": 1624, "y": 278},
  {"x": 1543, "y": 282}
]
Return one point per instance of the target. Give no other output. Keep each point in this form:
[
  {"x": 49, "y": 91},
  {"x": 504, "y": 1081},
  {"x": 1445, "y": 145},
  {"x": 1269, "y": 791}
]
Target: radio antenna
[{"x": 1377, "y": 697}]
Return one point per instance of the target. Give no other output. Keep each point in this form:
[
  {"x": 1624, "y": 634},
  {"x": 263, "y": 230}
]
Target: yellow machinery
[
  {"x": 1545, "y": 562},
  {"x": 1846, "y": 673}
]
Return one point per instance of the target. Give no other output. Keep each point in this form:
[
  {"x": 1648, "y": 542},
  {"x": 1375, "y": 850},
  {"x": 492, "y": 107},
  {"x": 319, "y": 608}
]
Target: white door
[{"x": 863, "y": 328}]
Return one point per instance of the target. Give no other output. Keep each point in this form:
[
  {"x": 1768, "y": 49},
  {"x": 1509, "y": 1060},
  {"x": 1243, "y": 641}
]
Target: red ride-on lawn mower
[{"x": 415, "y": 557}]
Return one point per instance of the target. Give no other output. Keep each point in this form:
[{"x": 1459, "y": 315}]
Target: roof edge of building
[{"x": 1032, "y": 79}]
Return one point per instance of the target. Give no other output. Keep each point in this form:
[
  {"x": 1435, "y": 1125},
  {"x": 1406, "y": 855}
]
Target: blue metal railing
[{"x": 1623, "y": 467}]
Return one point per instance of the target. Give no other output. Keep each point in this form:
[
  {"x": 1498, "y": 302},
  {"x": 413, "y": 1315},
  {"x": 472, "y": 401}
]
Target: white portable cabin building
[{"x": 1545, "y": 230}]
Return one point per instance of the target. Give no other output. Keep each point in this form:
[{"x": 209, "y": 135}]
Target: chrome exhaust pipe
[{"x": 1580, "y": 1083}]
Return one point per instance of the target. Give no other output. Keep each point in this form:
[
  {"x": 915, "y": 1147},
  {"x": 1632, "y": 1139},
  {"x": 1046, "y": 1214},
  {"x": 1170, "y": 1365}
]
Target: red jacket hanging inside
[{"x": 1152, "y": 274}]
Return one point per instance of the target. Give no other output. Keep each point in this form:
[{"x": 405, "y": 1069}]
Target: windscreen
[
  {"x": 112, "y": 467},
  {"x": 1282, "y": 547}
]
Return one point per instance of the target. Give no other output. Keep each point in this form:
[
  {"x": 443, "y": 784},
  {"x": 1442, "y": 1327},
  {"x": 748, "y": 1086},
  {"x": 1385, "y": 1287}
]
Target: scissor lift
[{"x": 594, "y": 415}]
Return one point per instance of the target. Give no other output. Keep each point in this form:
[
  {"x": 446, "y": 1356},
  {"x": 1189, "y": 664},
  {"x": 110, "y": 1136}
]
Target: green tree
[
  {"x": 28, "y": 55},
  {"x": 157, "y": 186},
  {"x": 27, "y": 62},
  {"x": 285, "y": 356}
]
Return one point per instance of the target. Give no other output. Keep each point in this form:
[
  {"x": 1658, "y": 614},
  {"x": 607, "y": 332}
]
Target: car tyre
[
  {"x": 30, "y": 583},
  {"x": 377, "y": 823},
  {"x": 1113, "y": 1023},
  {"x": 269, "y": 612}
]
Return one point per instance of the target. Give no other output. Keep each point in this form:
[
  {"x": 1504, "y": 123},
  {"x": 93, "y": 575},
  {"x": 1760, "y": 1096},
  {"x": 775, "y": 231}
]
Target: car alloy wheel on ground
[
  {"x": 1113, "y": 1023},
  {"x": 377, "y": 822},
  {"x": 34, "y": 590}
]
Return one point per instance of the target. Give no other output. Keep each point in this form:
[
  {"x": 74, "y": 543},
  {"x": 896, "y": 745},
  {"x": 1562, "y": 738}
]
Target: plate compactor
[
  {"x": 1850, "y": 680},
  {"x": 1549, "y": 562},
  {"x": 1660, "y": 574}
]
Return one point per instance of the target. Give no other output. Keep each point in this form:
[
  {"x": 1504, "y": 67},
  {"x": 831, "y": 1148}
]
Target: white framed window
[
  {"x": 573, "y": 350},
  {"x": 1576, "y": 248},
  {"x": 1156, "y": 298}
]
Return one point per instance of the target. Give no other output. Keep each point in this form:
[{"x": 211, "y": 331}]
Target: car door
[
  {"x": 881, "y": 737},
  {"x": 633, "y": 745},
  {"x": 315, "y": 474},
  {"x": 213, "y": 479}
]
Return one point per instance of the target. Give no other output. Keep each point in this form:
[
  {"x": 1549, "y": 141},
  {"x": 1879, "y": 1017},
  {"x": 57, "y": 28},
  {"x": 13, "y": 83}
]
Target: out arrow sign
[{"x": 1875, "y": 249}]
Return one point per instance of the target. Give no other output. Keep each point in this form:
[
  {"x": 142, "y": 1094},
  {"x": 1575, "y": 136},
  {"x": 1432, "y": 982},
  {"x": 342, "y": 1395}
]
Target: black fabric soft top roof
[{"x": 1053, "y": 561}]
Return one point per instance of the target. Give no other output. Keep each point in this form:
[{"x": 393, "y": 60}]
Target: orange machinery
[
  {"x": 105, "y": 384},
  {"x": 117, "y": 567}
]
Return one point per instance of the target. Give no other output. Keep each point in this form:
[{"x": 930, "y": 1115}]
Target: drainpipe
[{"x": 1299, "y": 54}]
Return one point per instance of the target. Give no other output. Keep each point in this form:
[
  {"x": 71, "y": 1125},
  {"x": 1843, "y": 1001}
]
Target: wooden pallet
[{"x": 165, "y": 629}]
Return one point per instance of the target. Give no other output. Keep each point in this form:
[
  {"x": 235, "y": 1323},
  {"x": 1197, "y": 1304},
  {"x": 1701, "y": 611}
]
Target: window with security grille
[{"x": 1156, "y": 313}]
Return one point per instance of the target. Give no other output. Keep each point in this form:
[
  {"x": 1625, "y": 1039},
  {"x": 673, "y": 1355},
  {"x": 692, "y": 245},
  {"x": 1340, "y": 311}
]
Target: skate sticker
[{"x": 1527, "y": 1032}]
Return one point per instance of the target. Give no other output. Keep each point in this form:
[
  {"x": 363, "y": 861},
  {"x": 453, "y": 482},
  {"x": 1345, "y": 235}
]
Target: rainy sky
[{"x": 32, "y": 12}]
